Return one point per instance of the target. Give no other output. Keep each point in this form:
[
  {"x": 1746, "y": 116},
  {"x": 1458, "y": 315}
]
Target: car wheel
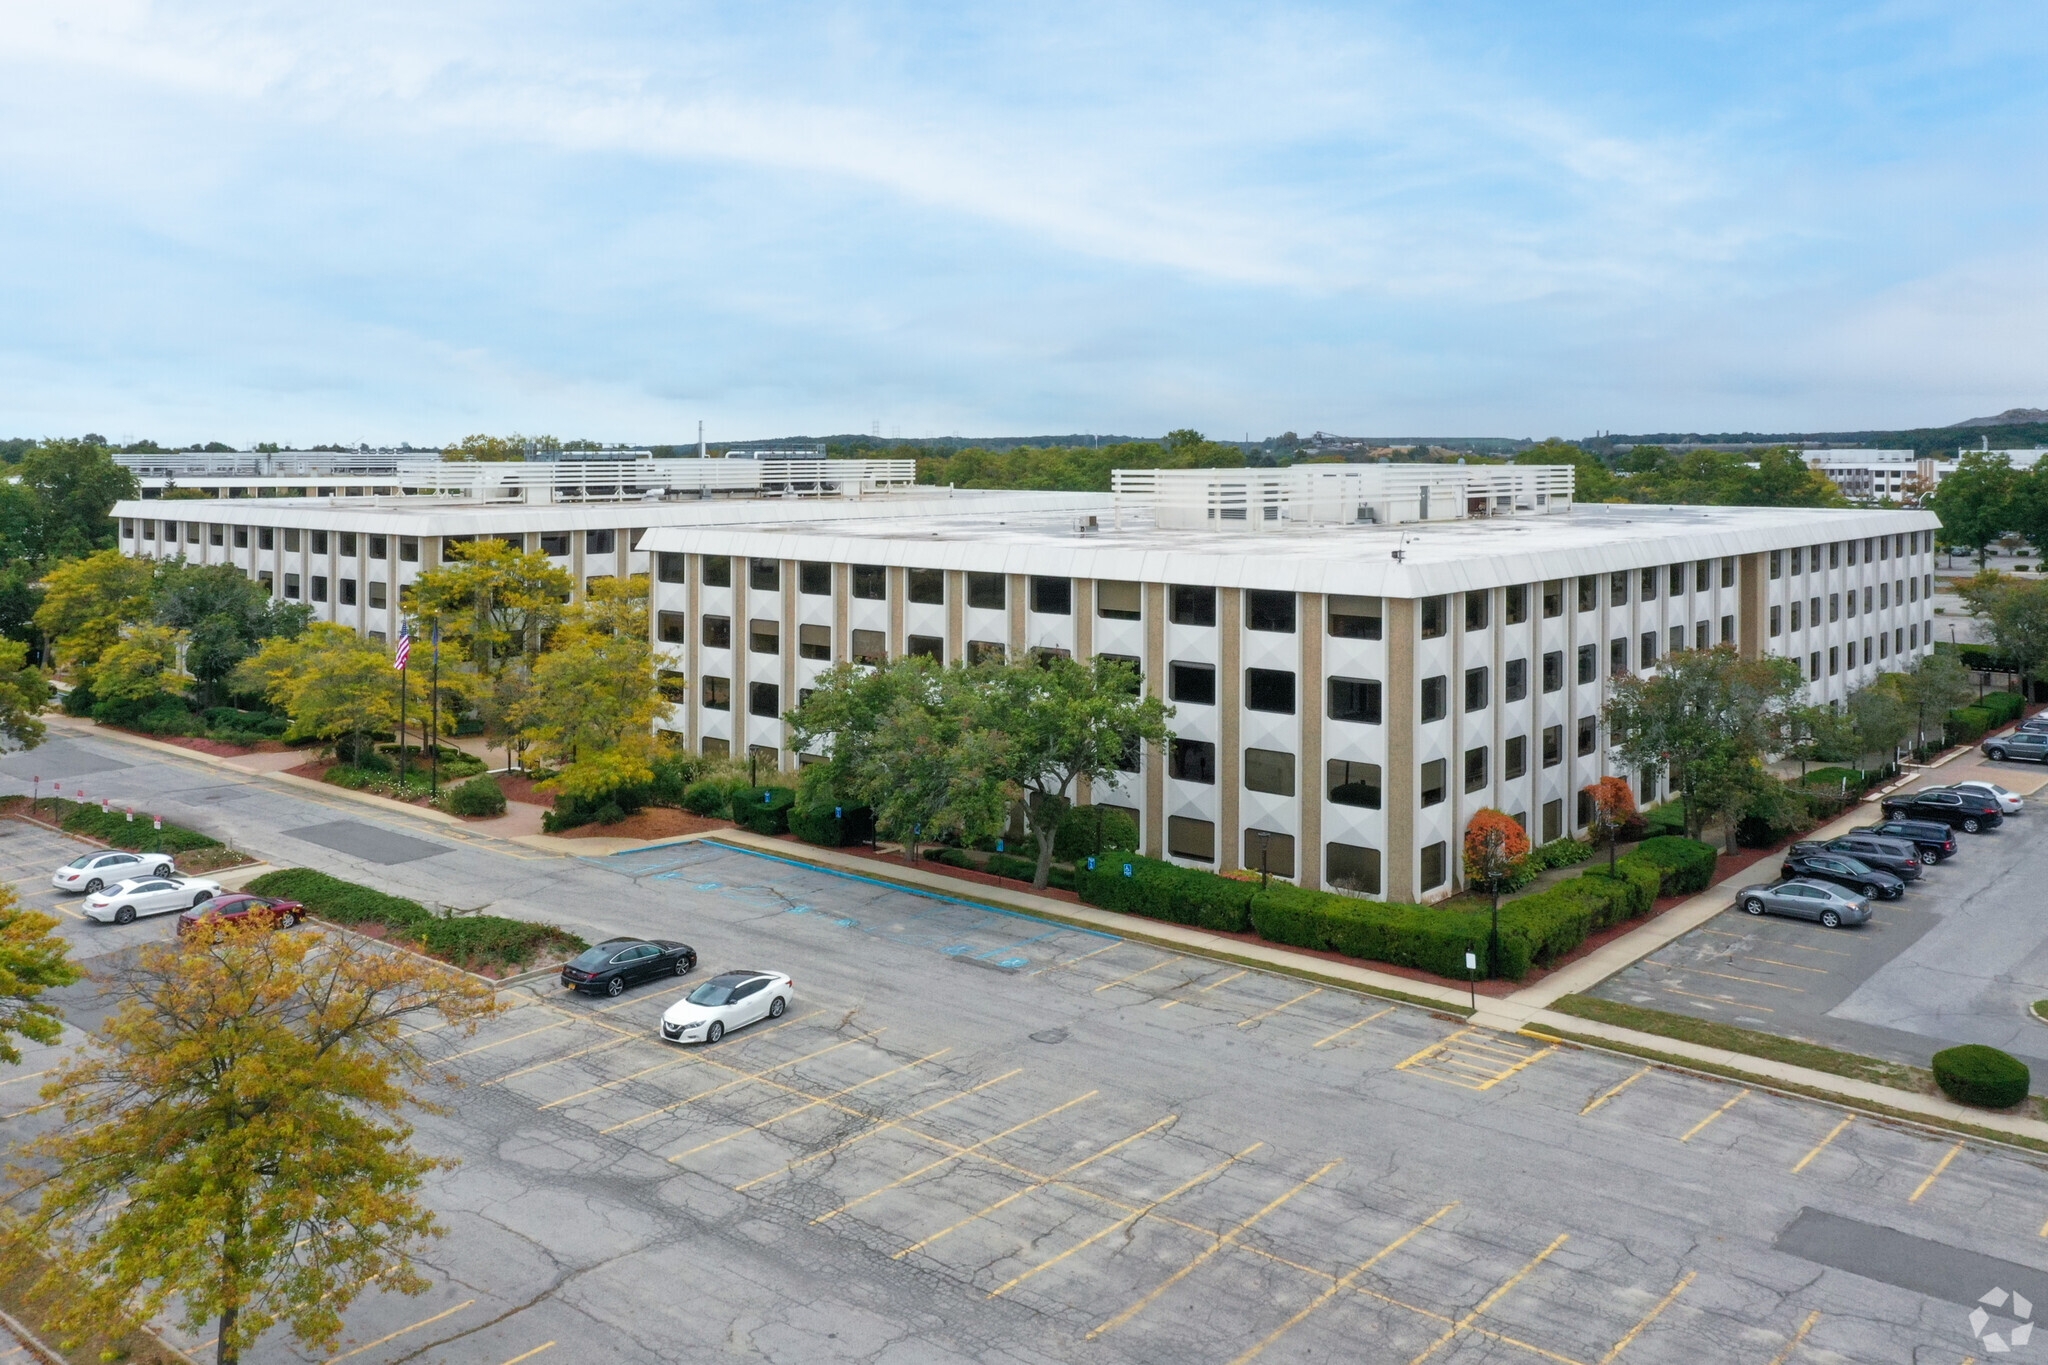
[
  {"x": 1928, "y": 858},
  {"x": 1970, "y": 826},
  {"x": 1869, "y": 890},
  {"x": 1830, "y": 919},
  {"x": 164, "y": 869},
  {"x": 684, "y": 964},
  {"x": 1996, "y": 755},
  {"x": 125, "y": 915},
  {"x": 615, "y": 986},
  {"x": 715, "y": 1032},
  {"x": 94, "y": 887},
  {"x": 776, "y": 1007},
  {"x": 1752, "y": 905}
]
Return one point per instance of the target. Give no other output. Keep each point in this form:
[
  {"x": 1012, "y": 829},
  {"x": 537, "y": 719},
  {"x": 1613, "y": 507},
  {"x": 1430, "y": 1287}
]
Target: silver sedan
[{"x": 1834, "y": 906}]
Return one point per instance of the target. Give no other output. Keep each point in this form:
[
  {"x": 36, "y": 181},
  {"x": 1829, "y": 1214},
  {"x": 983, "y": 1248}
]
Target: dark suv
[
  {"x": 1934, "y": 841},
  {"x": 1895, "y": 856},
  {"x": 1970, "y": 813},
  {"x": 2031, "y": 745},
  {"x": 1811, "y": 862}
]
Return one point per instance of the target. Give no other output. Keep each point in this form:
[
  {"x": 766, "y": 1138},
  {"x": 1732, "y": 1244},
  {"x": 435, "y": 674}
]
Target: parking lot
[
  {"x": 979, "y": 1136},
  {"x": 1958, "y": 959}
]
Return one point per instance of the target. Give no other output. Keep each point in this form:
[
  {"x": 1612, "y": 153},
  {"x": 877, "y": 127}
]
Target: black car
[
  {"x": 1895, "y": 856},
  {"x": 1811, "y": 862},
  {"x": 1966, "y": 811},
  {"x": 1934, "y": 841},
  {"x": 617, "y": 963}
]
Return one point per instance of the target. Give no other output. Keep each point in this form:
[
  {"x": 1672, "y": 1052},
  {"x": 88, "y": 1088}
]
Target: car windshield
[
  {"x": 591, "y": 958},
  {"x": 718, "y": 992}
]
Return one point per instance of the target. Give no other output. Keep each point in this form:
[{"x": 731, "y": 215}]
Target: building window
[
  {"x": 1354, "y": 784},
  {"x": 1432, "y": 617},
  {"x": 1191, "y": 683},
  {"x": 871, "y": 582},
  {"x": 347, "y": 587},
  {"x": 1192, "y": 760},
  {"x": 717, "y": 694},
  {"x": 925, "y": 647},
  {"x": 1434, "y": 702},
  {"x": 1617, "y": 656},
  {"x": 814, "y": 642},
  {"x": 1055, "y": 597},
  {"x": 1270, "y": 771},
  {"x": 988, "y": 591},
  {"x": 1354, "y": 618},
  {"x": 1476, "y": 692},
  {"x": 764, "y": 636},
  {"x": 985, "y": 652},
  {"x": 1553, "y": 670},
  {"x": 1355, "y": 699},
  {"x": 813, "y": 579},
  {"x": 378, "y": 601},
  {"x": 1434, "y": 775},
  {"x": 1190, "y": 838},
  {"x": 1269, "y": 851},
  {"x": 1269, "y": 610},
  {"x": 1351, "y": 867},
  {"x": 1553, "y": 598},
  {"x": 1515, "y": 679},
  {"x": 291, "y": 586},
  {"x": 869, "y": 647},
  {"x": 318, "y": 586},
  {"x": 1118, "y": 599},
  {"x": 1553, "y": 745},
  {"x": 671, "y": 627},
  {"x": 603, "y": 542},
  {"x": 1517, "y": 604},
  {"x": 1269, "y": 689},
  {"x": 764, "y": 699},
  {"x": 1514, "y": 758},
  {"x": 1589, "y": 591},
  {"x": 717, "y": 633},
  {"x": 1475, "y": 769},
  {"x": 1617, "y": 589},
  {"x": 1589, "y": 663},
  {"x": 1475, "y": 610},
  {"x": 1589, "y": 734},
  {"x": 1432, "y": 866},
  {"x": 1192, "y": 605},
  {"x": 926, "y": 585}
]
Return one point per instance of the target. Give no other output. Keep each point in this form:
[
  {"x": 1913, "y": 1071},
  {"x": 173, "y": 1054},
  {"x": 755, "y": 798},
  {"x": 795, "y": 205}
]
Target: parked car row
[{"x": 1835, "y": 880}]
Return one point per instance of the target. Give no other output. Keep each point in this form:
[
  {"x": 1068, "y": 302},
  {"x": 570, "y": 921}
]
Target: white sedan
[
  {"x": 90, "y": 871},
  {"x": 727, "y": 1001},
  {"x": 123, "y": 901},
  {"x": 2008, "y": 802}
]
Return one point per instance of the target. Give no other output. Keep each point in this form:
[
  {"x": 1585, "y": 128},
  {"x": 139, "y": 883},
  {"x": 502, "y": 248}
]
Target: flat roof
[{"x": 1434, "y": 557}]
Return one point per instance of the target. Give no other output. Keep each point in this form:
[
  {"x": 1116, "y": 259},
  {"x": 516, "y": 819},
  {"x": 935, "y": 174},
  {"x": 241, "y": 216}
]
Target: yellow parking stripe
[
  {"x": 1650, "y": 1317},
  {"x": 1822, "y": 1145},
  {"x": 1490, "y": 1300},
  {"x": 1267, "y": 1014},
  {"x": 813, "y": 1104},
  {"x": 1227, "y": 1239},
  {"x": 950, "y": 1156},
  {"x": 1338, "y": 1286},
  {"x": 1700, "y": 1127},
  {"x": 838, "y": 1147},
  {"x": 741, "y": 1079},
  {"x": 1935, "y": 1174},
  {"x": 1632, "y": 1079},
  {"x": 1348, "y": 1027}
]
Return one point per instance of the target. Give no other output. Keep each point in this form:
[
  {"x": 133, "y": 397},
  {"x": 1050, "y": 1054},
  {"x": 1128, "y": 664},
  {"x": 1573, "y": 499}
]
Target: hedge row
[
  {"x": 468, "y": 940},
  {"x": 117, "y": 830}
]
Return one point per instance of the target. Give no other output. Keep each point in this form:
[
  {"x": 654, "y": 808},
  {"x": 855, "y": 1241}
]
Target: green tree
[
  {"x": 1979, "y": 502},
  {"x": 236, "y": 1142},
  {"x": 332, "y": 682},
  {"x": 1701, "y": 710},
  {"x": 33, "y": 958},
  {"x": 76, "y": 484},
  {"x": 1062, "y": 722},
  {"x": 24, "y": 692},
  {"x": 87, "y": 601},
  {"x": 494, "y": 601}
]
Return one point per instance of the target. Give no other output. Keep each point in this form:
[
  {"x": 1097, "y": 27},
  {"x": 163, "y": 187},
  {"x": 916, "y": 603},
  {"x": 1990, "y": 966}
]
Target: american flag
[{"x": 404, "y": 650}]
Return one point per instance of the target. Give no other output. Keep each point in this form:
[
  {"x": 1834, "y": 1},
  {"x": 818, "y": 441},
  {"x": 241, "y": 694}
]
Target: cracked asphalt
[{"x": 982, "y": 1137}]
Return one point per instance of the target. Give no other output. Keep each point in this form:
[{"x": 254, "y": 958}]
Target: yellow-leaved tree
[{"x": 234, "y": 1140}]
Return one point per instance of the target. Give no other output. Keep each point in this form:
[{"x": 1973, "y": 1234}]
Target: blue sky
[{"x": 377, "y": 222}]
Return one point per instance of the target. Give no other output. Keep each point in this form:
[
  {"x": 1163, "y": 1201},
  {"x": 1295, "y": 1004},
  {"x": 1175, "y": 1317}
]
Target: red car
[{"x": 282, "y": 914}]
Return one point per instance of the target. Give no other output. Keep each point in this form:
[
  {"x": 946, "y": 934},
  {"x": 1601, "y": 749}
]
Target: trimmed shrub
[
  {"x": 818, "y": 825},
  {"x": 1405, "y": 935},
  {"x": 1687, "y": 864},
  {"x": 114, "y": 828},
  {"x": 481, "y": 795},
  {"x": 1982, "y": 1076},
  {"x": 708, "y": 798},
  {"x": 1159, "y": 890},
  {"x": 764, "y": 810},
  {"x": 1076, "y": 838}
]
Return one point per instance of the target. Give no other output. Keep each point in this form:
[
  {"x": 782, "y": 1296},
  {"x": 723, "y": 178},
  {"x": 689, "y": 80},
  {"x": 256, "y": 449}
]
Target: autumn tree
[
  {"x": 33, "y": 959},
  {"x": 86, "y": 603},
  {"x": 332, "y": 682},
  {"x": 235, "y": 1147},
  {"x": 1614, "y": 809},
  {"x": 1496, "y": 851}
]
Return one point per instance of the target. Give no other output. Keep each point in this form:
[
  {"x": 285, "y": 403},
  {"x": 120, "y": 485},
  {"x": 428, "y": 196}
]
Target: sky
[{"x": 386, "y": 222}]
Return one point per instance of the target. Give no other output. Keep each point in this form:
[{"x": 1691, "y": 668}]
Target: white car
[
  {"x": 123, "y": 901},
  {"x": 727, "y": 1001},
  {"x": 2008, "y": 802},
  {"x": 90, "y": 871}
]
